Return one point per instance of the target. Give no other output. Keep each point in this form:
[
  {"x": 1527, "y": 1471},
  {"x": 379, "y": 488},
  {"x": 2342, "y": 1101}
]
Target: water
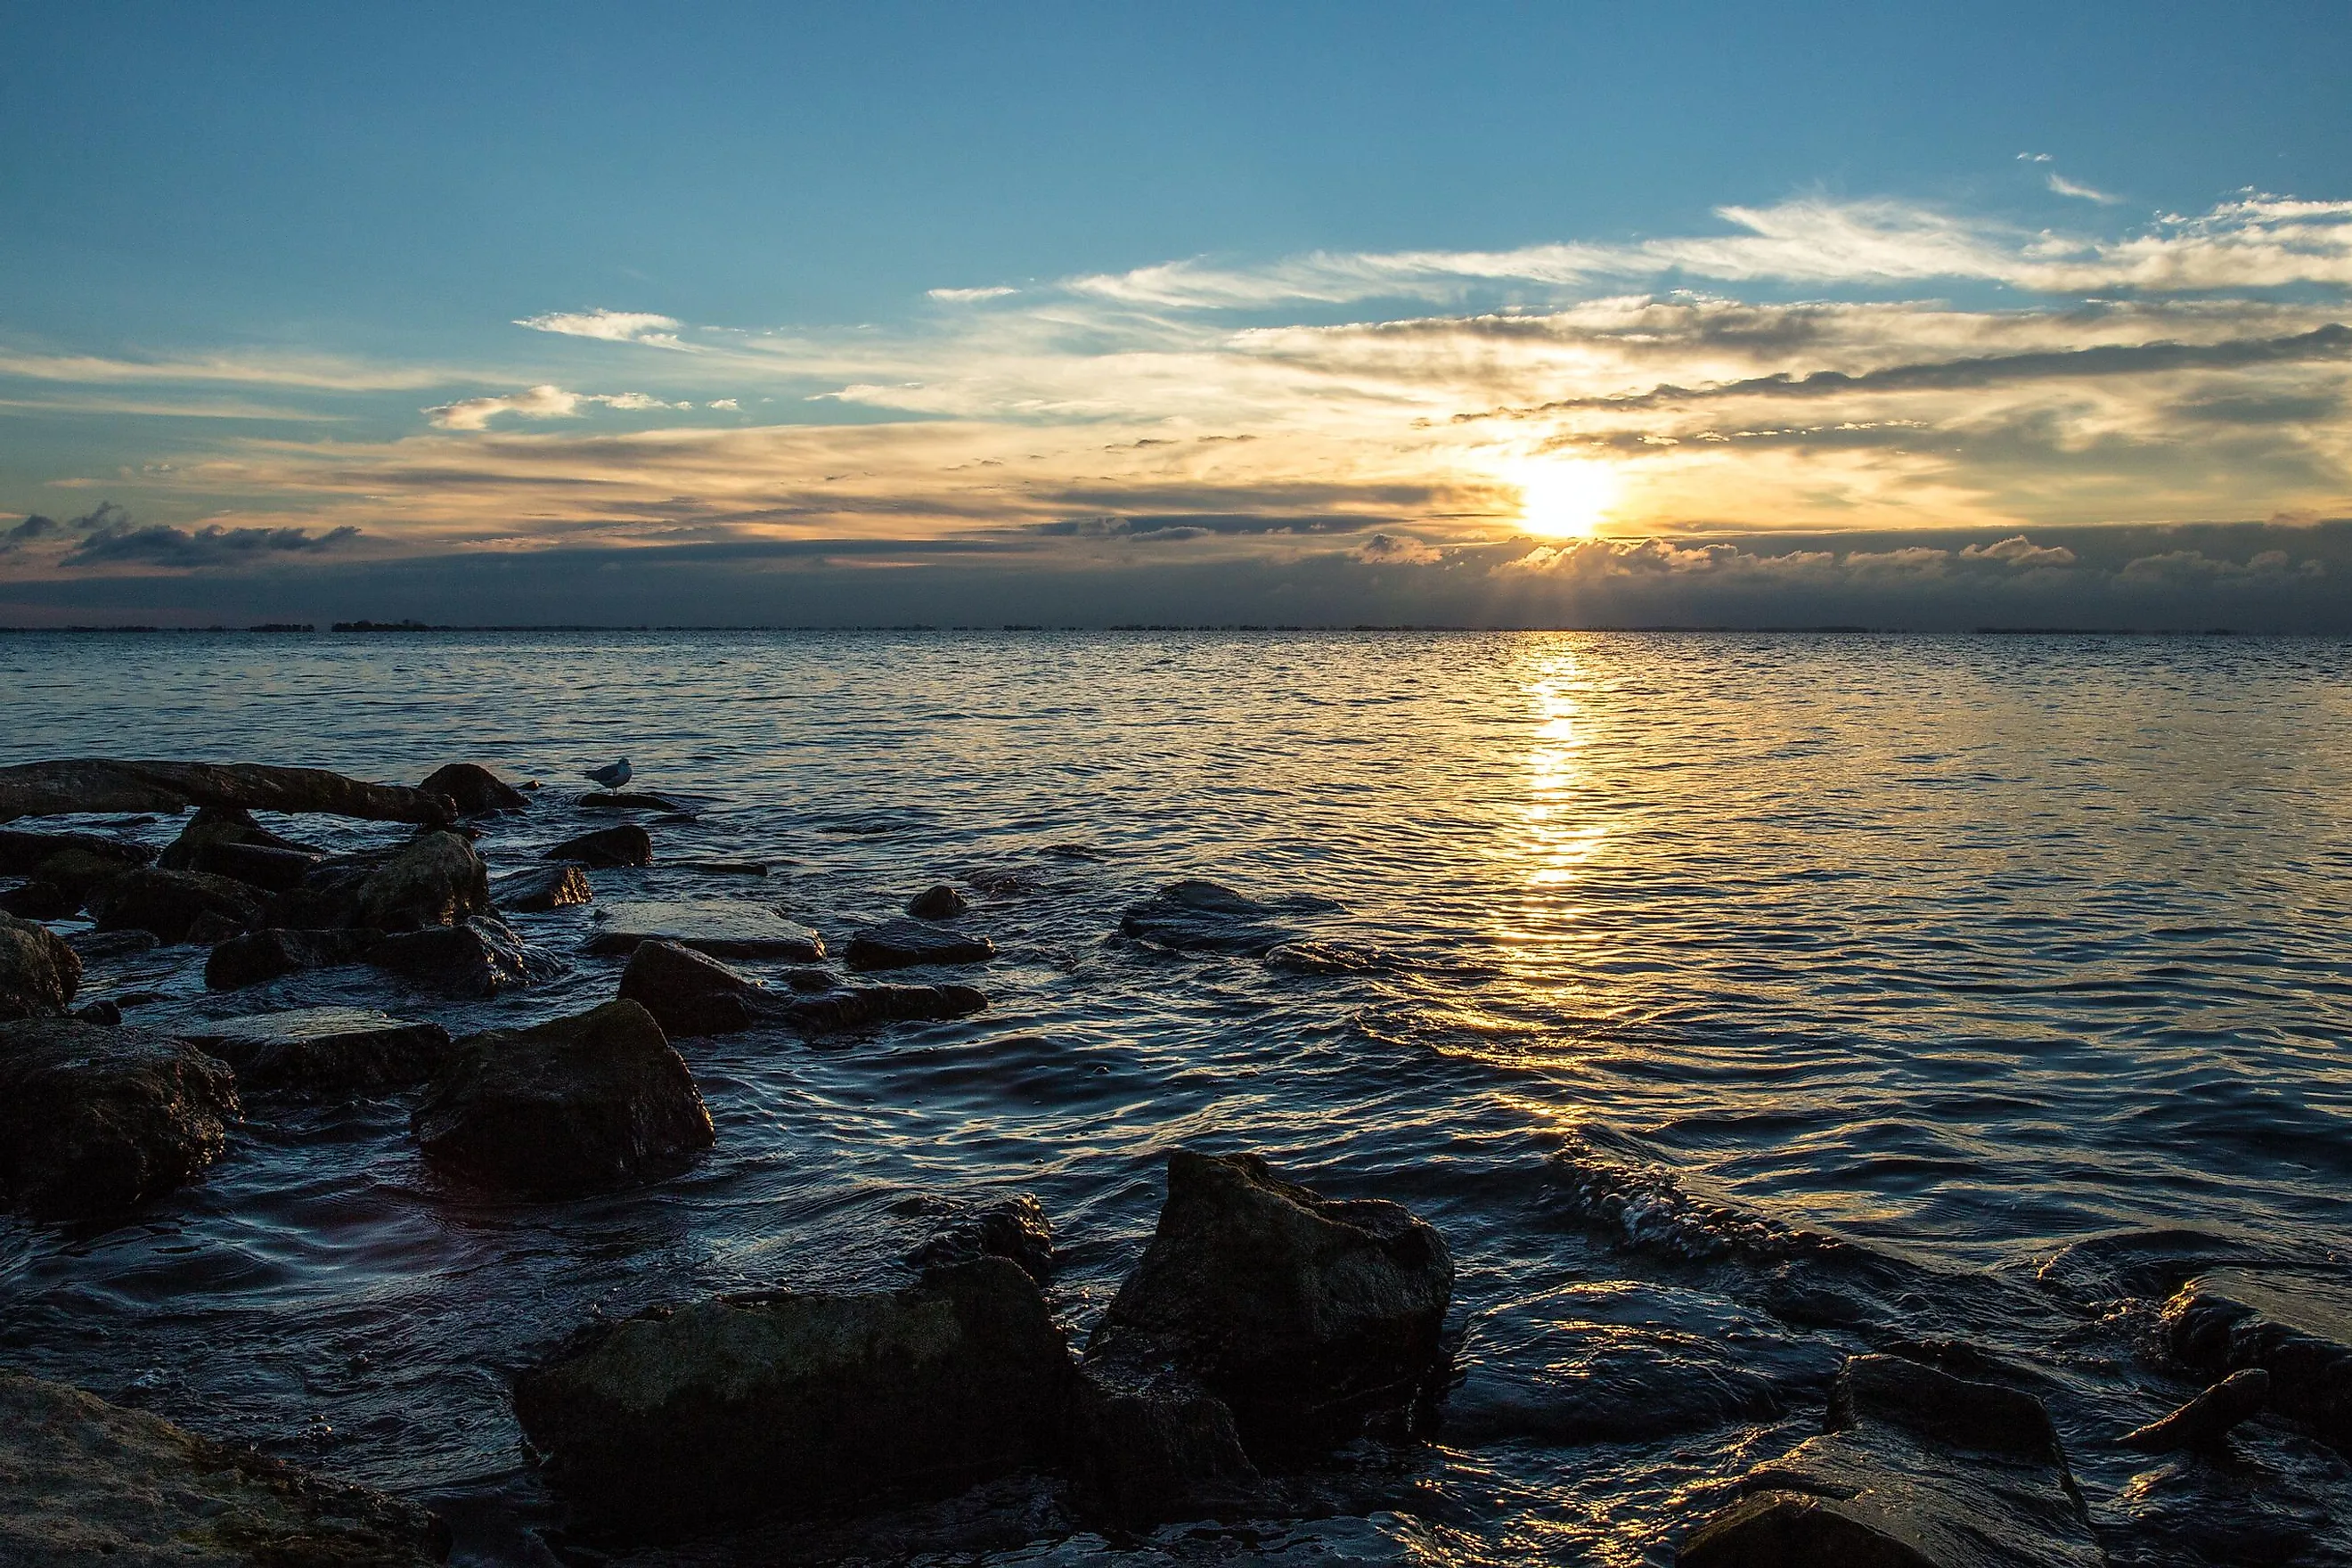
[{"x": 1730, "y": 1003}]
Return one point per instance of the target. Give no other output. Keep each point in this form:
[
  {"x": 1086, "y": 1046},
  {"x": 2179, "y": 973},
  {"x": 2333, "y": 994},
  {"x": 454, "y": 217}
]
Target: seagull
[{"x": 613, "y": 777}]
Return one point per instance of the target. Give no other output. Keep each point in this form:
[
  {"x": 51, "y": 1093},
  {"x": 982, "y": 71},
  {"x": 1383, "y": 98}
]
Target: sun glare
[{"x": 1566, "y": 499}]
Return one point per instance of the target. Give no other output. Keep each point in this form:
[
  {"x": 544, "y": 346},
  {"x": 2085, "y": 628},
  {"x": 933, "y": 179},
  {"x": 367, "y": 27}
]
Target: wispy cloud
[
  {"x": 543, "y": 402},
  {"x": 323, "y": 372},
  {"x": 2063, "y": 187},
  {"x": 971, "y": 296},
  {"x": 611, "y": 326}
]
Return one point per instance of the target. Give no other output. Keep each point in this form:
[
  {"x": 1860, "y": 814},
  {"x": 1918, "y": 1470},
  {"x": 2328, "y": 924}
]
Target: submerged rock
[
  {"x": 799, "y": 1402},
  {"x": 538, "y": 888},
  {"x": 1194, "y": 916},
  {"x": 723, "y": 928},
  {"x": 2296, "y": 1327},
  {"x": 39, "y": 972},
  {"x": 690, "y": 993},
  {"x": 474, "y": 789},
  {"x": 91, "y": 1484},
  {"x": 607, "y": 848},
  {"x": 1304, "y": 1314},
  {"x": 626, "y": 800},
  {"x": 88, "y": 784},
  {"x": 173, "y": 903},
  {"x": 433, "y": 879},
  {"x": 2209, "y": 1418},
  {"x": 940, "y": 902},
  {"x": 581, "y": 1104},
  {"x": 856, "y": 1006},
  {"x": 94, "y": 1119},
  {"x": 324, "y": 1050},
  {"x": 258, "y": 955},
  {"x": 1015, "y": 1228},
  {"x": 905, "y": 943},
  {"x": 479, "y": 958},
  {"x": 1918, "y": 1469}
]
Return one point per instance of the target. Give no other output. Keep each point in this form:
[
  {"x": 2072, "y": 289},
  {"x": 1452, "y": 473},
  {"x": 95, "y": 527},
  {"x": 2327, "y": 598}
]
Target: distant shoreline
[{"x": 395, "y": 629}]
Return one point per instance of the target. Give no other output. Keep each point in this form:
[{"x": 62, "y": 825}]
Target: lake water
[{"x": 1730, "y": 1003}]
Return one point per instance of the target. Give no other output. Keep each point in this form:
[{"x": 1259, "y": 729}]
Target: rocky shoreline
[{"x": 1266, "y": 1340}]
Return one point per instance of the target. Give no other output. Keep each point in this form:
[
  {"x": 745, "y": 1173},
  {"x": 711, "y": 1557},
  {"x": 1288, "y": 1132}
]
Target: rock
[
  {"x": 1306, "y": 1315},
  {"x": 1918, "y": 1469},
  {"x": 94, "y": 1119},
  {"x": 24, "y": 853},
  {"x": 1015, "y": 1228},
  {"x": 856, "y": 1006},
  {"x": 626, "y": 800},
  {"x": 2208, "y": 1418},
  {"x": 433, "y": 879},
  {"x": 690, "y": 992},
  {"x": 324, "y": 1050},
  {"x": 219, "y": 827},
  {"x": 170, "y": 903},
  {"x": 97, "y": 784},
  {"x": 40, "y": 901},
  {"x": 940, "y": 902},
  {"x": 91, "y": 1485},
  {"x": 799, "y": 1402},
  {"x": 211, "y": 927},
  {"x": 723, "y": 928},
  {"x": 105, "y": 1013},
  {"x": 1203, "y": 917},
  {"x": 539, "y": 889},
  {"x": 39, "y": 972},
  {"x": 1148, "y": 1444},
  {"x": 627, "y": 844},
  {"x": 2296, "y": 1327},
  {"x": 259, "y": 955},
  {"x": 581, "y": 1104},
  {"x": 95, "y": 946},
  {"x": 475, "y": 790},
  {"x": 479, "y": 958},
  {"x": 258, "y": 865},
  {"x": 904, "y": 943},
  {"x": 728, "y": 868}
]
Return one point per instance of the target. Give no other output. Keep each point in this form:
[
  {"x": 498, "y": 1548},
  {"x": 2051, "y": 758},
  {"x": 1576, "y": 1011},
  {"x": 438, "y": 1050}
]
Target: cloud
[
  {"x": 543, "y": 402},
  {"x": 2019, "y": 550},
  {"x": 321, "y": 373},
  {"x": 2033, "y": 157},
  {"x": 611, "y": 326},
  {"x": 970, "y": 296},
  {"x": 1397, "y": 550},
  {"x": 729, "y": 403},
  {"x": 2066, "y": 187},
  {"x": 209, "y": 546}
]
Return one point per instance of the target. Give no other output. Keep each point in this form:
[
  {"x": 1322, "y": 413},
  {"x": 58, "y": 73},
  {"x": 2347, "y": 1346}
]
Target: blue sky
[{"x": 305, "y": 293}]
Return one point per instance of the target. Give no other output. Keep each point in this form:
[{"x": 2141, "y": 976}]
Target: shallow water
[{"x": 1730, "y": 1003}]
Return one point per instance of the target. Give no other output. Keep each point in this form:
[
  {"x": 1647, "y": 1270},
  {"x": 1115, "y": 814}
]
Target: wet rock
[
  {"x": 324, "y": 1050},
  {"x": 538, "y": 888},
  {"x": 39, "y": 900},
  {"x": 1326, "y": 958},
  {"x": 215, "y": 829},
  {"x": 626, "y": 800},
  {"x": 257, "y": 866},
  {"x": 257, "y": 956},
  {"x": 97, "y": 784},
  {"x": 940, "y": 902},
  {"x": 95, "y": 946},
  {"x": 105, "y": 1013},
  {"x": 627, "y": 844},
  {"x": 211, "y": 927},
  {"x": 728, "y": 868},
  {"x": 90, "y": 1483},
  {"x": 2297, "y": 1327},
  {"x": 1015, "y": 1228},
  {"x": 94, "y": 1119},
  {"x": 1148, "y": 1444},
  {"x": 1195, "y": 916},
  {"x": 581, "y": 1104},
  {"x": 170, "y": 903},
  {"x": 2208, "y": 1418},
  {"x": 856, "y": 1006},
  {"x": 1604, "y": 1382},
  {"x": 433, "y": 879},
  {"x": 723, "y": 928},
  {"x": 690, "y": 993},
  {"x": 39, "y": 972},
  {"x": 24, "y": 853},
  {"x": 474, "y": 789},
  {"x": 905, "y": 943},
  {"x": 801, "y": 1401},
  {"x": 1918, "y": 1469},
  {"x": 1306, "y": 1315},
  {"x": 479, "y": 958}
]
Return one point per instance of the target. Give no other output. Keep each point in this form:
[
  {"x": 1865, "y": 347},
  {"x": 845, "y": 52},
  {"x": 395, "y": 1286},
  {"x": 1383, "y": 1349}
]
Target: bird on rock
[{"x": 611, "y": 777}]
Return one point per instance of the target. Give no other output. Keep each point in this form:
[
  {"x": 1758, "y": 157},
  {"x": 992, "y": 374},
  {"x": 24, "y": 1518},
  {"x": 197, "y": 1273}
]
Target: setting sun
[{"x": 1566, "y": 499}]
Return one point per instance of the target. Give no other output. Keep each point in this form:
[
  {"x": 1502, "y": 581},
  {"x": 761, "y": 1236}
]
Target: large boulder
[
  {"x": 39, "y": 972},
  {"x": 690, "y": 993},
  {"x": 474, "y": 789},
  {"x": 905, "y": 943},
  {"x": 433, "y": 879},
  {"x": 723, "y": 928},
  {"x": 2295, "y": 1325},
  {"x": 179, "y": 906},
  {"x": 94, "y": 1119},
  {"x": 102, "y": 784},
  {"x": 800, "y": 1402},
  {"x": 260, "y": 955},
  {"x": 535, "y": 889},
  {"x": 479, "y": 958},
  {"x": 1304, "y": 1314},
  {"x": 1194, "y": 916},
  {"x": 63, "y": 869},
  {"x": 607, "y": 848},
  {"x": 581, "y": 1104},
  {"x": 324, "y": 1050},
  {"x": 1918, "y": 1468},
  {"x": 91, "y": 1485}
]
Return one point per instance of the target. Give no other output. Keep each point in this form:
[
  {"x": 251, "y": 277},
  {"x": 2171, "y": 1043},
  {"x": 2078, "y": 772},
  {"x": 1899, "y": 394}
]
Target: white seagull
[{"x": 613, "y": 777}]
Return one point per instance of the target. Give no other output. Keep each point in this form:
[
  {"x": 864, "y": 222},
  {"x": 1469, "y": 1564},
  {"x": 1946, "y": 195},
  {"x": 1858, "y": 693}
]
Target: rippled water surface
[{"x": 1730, "y": 1003}]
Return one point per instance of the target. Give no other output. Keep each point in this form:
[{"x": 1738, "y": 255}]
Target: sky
[{"x": 1711, "y": 314}]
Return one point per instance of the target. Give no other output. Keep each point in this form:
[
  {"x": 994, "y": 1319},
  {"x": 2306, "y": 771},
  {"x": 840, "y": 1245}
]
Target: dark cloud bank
[{"x": 2247, "y": 577}]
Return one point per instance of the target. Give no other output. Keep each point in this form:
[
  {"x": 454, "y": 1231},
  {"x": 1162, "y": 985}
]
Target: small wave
[{"x": 1645, "y": 1208}]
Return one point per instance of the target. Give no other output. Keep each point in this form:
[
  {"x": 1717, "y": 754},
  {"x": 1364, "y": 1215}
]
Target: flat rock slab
[
  {"x": 90, "y": 1485},
  {"x": 1194, "y": 916},
  {"x": 94, "y": 1119},
  {"x": 904, "y": 943},
  {"x": 607, "y": 848},
  {"x": 723, "y": 928},
  {"x": 627, "y": 800},
  {"x": 539, "y": 889},
  {"x": 2295, "y": 1326},
  {"x": 324, "y": 1050}
]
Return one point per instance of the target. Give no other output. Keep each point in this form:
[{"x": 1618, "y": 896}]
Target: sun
[{"x": 1566, "y": 499}]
